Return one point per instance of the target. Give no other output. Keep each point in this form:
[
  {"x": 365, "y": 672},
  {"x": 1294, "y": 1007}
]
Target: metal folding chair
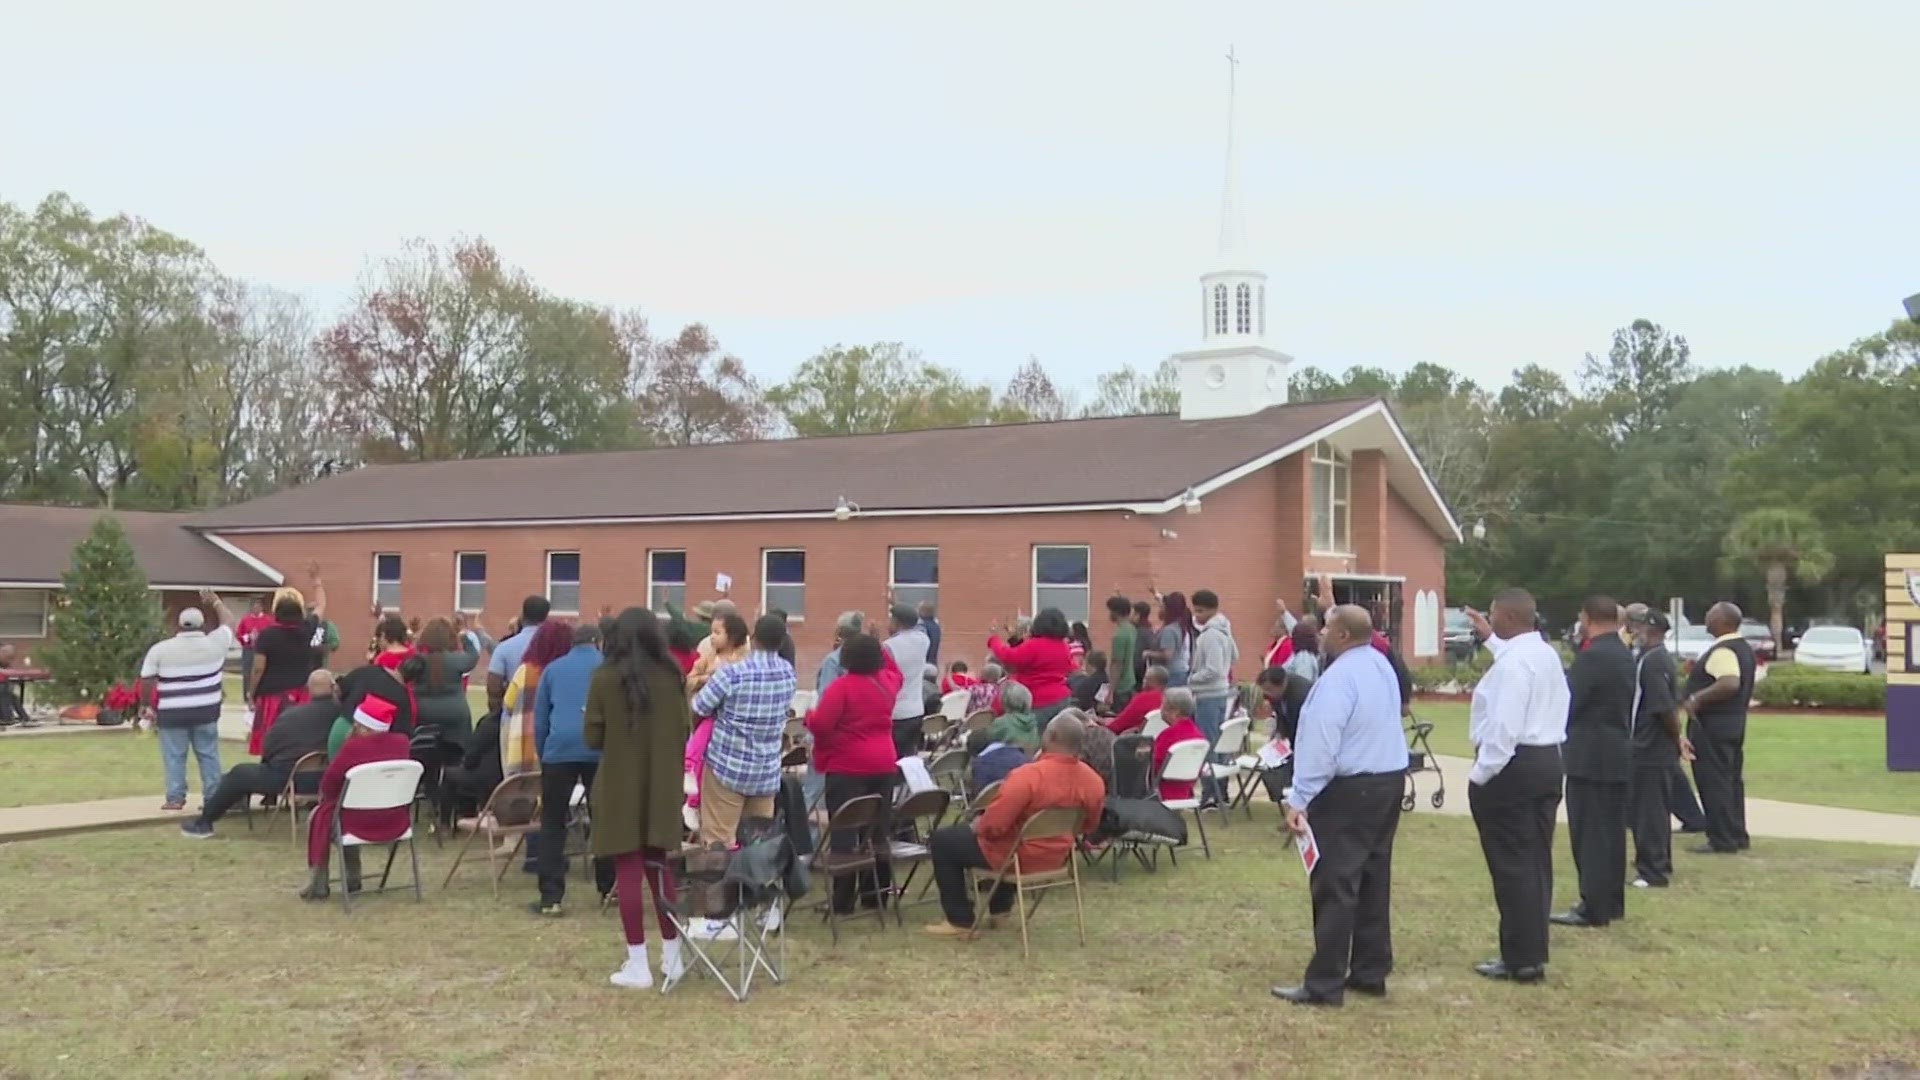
[
  {"x": 518, "y": 786},
  {"x": 377, "y": 785},
  {"x": 1045, "y": 825}
]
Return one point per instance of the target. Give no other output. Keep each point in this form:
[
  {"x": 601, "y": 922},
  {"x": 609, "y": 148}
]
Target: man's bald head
[
  {"x": 1723, "y": 618},
  {"x": 1347, "y": 626},
  {"x": 320, "y": 685},
  {"x": 1064, "y": 735}
]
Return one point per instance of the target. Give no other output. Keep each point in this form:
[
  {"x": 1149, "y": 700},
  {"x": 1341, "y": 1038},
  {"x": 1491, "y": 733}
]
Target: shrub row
[{"x": 1791, "y": 684}]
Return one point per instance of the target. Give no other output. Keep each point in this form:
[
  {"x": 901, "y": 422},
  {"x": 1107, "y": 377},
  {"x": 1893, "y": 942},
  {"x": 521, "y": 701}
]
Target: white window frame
[
  {"x": 1339, "y": 510},
  {"x": 1243, "y": 308},
  {"x": 46, "y": 611},
  {"x": 1219, "y": 311},
  {"x": 581, "y": 564},
  {"x": 792, "y": 615},
  {"x": 460, "y": 583},
  {"x": 653, "y": 583},
  {"x": 1033, "y": 578},
  {"x": 396, "y": 582},
  {"x": 894, "y": 585}
]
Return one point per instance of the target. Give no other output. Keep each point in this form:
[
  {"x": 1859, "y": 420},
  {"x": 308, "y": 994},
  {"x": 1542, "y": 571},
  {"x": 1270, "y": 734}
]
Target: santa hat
[{"x": 374, "y": 713}]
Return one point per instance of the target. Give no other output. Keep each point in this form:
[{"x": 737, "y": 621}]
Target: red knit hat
[{"x": 375, "y": 713}]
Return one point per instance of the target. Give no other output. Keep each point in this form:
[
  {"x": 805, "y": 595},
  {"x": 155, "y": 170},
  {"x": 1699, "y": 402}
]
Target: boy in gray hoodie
[{"x": 1214, "y": 654}]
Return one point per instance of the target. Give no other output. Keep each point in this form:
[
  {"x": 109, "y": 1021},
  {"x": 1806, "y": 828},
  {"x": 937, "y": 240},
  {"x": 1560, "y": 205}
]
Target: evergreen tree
[{"x": 106, "y": 619}]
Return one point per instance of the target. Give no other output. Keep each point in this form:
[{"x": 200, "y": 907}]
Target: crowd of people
[{"x": 677, "y": 727}]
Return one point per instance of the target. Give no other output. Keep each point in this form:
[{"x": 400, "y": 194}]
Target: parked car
[
  {"x": 1690, "y": 641},
  {"x": 1759, "y": 639},
  {"x": 1458, "y": 636},
  {"x": 1834, "y": 648}
]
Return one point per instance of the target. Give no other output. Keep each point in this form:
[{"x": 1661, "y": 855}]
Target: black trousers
[
  {"x": 556, "y": 797},
  {"x": 908, "y": 734},
  {"x": 1354, "y": 819},
  {"x": 11, "y": 709},
  {"x": 868, "y": 887},
  {"x": 955, "y": 851},
  {"x": 247, "y": 778},
  {"x": 1650, "y": 796},
  {"x": 1719, "y": 767},
  {"x": 1515, "y": 813},
  {"x": 1681, "y": 802},
  {"x": 1597, "y": 830}
]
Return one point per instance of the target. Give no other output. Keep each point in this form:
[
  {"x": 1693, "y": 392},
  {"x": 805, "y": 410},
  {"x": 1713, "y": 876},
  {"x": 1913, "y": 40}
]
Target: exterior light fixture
[
  {"x": 844, "y": 510},
  {"x": 1190, "y": 501}
]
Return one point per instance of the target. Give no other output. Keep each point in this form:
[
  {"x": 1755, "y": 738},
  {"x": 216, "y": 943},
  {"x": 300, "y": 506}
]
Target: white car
[
  {"x": 1690, "y": 641},
  {"x": 1834, "y": 648}
]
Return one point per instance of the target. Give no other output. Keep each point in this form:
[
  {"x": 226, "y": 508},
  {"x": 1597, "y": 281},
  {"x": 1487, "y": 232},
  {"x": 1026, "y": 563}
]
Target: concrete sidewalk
[
  {"x": 1765, "y": 817},
  {"x": 60, "y": 819}
]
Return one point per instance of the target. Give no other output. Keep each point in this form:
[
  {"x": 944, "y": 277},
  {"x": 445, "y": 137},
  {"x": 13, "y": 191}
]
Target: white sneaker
[
  {"x": 634, "y": 975},
  {"x": 714, "y": 930},
  {"x": 770, "y": 922},
  {"x": 1641, "y": 883},
  {"x": 672, "y": 965}
]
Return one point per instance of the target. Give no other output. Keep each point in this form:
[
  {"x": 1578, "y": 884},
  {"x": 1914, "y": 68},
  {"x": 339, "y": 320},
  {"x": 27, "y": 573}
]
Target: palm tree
[{"x": 1782, "y": 544}]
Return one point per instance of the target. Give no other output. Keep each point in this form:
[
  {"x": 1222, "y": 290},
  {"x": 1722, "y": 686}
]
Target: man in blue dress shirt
[{"x": 1349, "y": 771}]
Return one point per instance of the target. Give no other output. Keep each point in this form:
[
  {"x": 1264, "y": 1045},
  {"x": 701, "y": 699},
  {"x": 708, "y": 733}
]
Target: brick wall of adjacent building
[{"x": 1248, "y": 543}]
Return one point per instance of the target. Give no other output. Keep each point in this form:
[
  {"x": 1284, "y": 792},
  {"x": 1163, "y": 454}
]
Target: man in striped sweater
[{"x": 182, "y": 676}]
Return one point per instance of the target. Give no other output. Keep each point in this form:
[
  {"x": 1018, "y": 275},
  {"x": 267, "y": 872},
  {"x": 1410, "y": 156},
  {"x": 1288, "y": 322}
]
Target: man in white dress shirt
[{"x": 1519, "y": 721}]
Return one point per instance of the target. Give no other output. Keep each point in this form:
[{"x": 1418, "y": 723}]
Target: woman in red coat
[
  {"x": 1041, "y": 663},
  {"x": 1177, "y": 710},
  {"x": 852, "y": 728},
  {"x": 371, "y": 739}
]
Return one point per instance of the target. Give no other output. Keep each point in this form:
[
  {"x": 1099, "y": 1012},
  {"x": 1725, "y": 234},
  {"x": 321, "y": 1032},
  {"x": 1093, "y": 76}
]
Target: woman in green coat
[
  {"x": 637, "y": 717},
  {"x": 438, "y": 674}
]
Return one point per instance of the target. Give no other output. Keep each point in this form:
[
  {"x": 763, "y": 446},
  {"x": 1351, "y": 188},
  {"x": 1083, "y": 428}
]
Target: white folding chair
[
  {"x": 1155, "y": 724},
  {"x": 378, "y": 785},
  {"x": 1185, "y": 759},
  {"x": 954, "y": 706},
  {"x": 1225, "y": 764},
  {"x": 803, "y": 702}
]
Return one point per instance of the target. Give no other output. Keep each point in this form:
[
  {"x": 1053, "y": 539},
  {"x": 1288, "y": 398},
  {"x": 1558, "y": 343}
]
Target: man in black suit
[{"x": 1599, "y": 763}]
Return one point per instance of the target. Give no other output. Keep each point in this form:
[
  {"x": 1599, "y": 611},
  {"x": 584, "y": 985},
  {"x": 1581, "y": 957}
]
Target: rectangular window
[
  {"x": 23, "y": 613},
  {"x": 783, "y": 582},
  {"x": 470, "y": 581},
  {"x": 667, "y": 579},
  {"x": 563, "y": 582},
  {"x": 1061, "y": 574},
  {"x": 1332, "y": 509},
  {"x": 386, "y": 581},
  {"x": 914, "y": 575}
]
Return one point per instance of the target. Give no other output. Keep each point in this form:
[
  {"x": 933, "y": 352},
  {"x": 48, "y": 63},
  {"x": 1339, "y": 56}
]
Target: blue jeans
[
  {"x": 1209, "y": 715},
  {"x": 204, "y": 740}
]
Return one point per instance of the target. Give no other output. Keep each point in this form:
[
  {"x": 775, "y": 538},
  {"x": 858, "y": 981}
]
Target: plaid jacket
[{"x": 748, "y": 702}]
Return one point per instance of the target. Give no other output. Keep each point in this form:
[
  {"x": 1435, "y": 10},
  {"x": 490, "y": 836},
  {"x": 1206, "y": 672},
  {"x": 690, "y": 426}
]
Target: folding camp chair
[
  {"x": 865, "y": 816},
  {"x": 1223, "y": 767},
  {"x": 377, "y": 785},
  {"x": 738, "y": 957},
  {"x": 1045, "y": 825},
  {"x": 929, "y": 807},
  {"x": 1183, "y": 765},
  {"x": 519, "y": 789}
]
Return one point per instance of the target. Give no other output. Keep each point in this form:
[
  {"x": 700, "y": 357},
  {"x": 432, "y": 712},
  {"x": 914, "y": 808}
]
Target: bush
[
  {"x": 1793, "y": 685},
  {"x": 1431, "y": 678}
]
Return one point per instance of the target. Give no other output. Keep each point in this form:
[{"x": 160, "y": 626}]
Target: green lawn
[
  {"x": 141, "y": 953},
  {"x": 1830, "y": 760}
]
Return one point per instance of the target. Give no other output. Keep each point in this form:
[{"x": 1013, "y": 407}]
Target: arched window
[
  {"x": 1260, "y": 305},
  {"x": 1243, "y": 309},
  {"x": 1219, "y": 309}
]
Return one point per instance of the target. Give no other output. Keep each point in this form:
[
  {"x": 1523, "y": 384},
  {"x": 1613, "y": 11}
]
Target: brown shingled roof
[
  {"x": 1111, "y": 460},
  {"x": 36, "y": 547}
]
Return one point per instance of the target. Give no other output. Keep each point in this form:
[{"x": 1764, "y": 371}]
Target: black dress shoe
[
  {"x": 1371, "y": 989},
  {"x": 1709, "y": 849},
  {"x": 1575, "y": 917},
  {"x": 1495, "y": 969},
  {"x": 1300, "y": 995},
  {"x": 1691, "y": 830}
]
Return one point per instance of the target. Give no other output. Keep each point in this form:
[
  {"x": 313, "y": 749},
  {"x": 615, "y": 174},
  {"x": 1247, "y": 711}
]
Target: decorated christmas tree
[{"x": 105, "y": 620}]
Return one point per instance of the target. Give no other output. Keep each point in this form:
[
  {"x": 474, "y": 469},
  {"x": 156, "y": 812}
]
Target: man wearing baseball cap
[
  {"x": 1658, "y": 747},
  {"x": 371, "y": 739},
  {"x": 182, "y": 677}
]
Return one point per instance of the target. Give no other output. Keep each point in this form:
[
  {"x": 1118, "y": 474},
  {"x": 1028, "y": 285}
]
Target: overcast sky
[{"x": 1479, "y": 184}]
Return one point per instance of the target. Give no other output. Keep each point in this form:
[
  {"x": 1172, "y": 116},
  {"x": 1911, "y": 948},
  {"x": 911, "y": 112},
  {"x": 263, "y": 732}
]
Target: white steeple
[{"x": 1232, "y": 372}]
